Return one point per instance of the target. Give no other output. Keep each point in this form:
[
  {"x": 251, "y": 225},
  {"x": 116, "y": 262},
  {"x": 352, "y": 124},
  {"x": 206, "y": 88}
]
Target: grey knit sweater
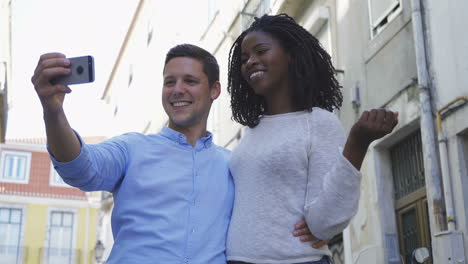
[{"x": 287, "y": 168}]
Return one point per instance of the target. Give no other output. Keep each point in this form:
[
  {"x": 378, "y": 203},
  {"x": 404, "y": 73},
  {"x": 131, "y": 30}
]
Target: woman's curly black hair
[{"x": 310, "y": 71}]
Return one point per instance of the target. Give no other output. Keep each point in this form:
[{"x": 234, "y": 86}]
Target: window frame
[
  {"x": 390, "y": 14},
  {"x": 247, "y": 16},
  {"x": 27, "y": 165},
  {"x": 74, "y": 250},
  {"x": 20, "y": 254},
  {"x": 52, "y": 181}
]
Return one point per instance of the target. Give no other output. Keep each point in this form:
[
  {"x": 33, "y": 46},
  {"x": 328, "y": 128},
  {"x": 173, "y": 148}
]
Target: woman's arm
[{"x": 334, "y": 180}]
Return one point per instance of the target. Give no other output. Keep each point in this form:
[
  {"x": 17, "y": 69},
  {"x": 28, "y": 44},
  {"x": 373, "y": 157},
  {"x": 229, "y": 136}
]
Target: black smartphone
[{"x": 82, "y": 71}]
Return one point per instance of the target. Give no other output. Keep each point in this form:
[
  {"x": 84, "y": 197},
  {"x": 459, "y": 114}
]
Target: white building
[
  {"x": 5, "y": 63},
  {"x": 379, "y": 47},
  {"x": 406, "y": 55}
]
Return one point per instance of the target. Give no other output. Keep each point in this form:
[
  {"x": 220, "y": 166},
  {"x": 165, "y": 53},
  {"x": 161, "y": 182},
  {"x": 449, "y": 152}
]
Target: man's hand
[
  {"x": 63, "y": 143},
  {"x": 302, "y": 231},
  {"x": 50, "y": 66}
]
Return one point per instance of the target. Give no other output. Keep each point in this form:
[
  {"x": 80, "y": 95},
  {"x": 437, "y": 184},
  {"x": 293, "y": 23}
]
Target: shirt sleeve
[
  {"x": 333, "y": 186},
  {"x": 98, "y": 167}
]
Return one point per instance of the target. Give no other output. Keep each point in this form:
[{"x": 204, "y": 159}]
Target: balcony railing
[
  {"x": 49, "y": 255},
  {"x": 12, "y": 254}
]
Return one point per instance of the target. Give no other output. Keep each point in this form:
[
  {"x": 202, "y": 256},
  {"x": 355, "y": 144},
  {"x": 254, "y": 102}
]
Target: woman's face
[{"x": 264, "y": 64}]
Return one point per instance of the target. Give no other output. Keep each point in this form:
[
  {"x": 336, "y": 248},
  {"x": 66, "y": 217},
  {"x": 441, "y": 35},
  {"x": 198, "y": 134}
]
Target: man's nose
[{"x": 179, "y": 87}]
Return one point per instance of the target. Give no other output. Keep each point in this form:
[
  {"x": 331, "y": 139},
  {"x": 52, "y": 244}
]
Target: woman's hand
[
  {"x": 372, "y": 125},
  {"x": 301, "y": 230}
]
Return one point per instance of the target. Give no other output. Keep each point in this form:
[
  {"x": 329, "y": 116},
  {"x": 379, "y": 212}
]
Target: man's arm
[{"x": 63, "y": 143}]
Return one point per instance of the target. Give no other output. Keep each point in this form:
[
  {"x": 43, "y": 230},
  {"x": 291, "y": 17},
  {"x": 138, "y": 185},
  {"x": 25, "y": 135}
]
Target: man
[{"x": 173, "y": 192}]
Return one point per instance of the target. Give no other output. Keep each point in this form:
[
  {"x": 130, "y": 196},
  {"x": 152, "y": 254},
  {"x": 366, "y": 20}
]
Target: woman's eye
[
  {"x": 260, "y": 52},
  {"x": 243, "y": 61}
]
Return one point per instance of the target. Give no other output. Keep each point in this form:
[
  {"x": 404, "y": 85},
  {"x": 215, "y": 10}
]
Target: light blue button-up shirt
[{"x": 172, "y": 201}]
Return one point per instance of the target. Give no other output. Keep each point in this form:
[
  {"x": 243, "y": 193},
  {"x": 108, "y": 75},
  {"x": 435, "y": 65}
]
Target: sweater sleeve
[
  {"x": 333, "y": 186},
  {"x": 98, "y": 167}
]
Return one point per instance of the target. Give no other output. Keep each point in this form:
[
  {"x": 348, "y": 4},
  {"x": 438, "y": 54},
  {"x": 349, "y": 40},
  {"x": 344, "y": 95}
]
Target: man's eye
[{"x": 168, "y": 82}]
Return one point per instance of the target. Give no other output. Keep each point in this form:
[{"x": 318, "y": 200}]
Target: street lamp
[{"x": 99, "y": 251}]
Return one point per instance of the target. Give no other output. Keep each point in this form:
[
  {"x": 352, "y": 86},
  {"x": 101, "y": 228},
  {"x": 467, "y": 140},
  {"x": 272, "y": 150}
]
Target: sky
[
  {"x": 75, "y": 28},
  {"x": 78, "y": 28}
]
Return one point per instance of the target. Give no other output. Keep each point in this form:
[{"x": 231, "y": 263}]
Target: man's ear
[{"x": 215, "y": 90}]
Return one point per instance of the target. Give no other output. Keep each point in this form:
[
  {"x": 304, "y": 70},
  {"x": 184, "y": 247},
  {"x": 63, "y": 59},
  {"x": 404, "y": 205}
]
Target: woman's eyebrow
[{"x": 256, "y": 45}]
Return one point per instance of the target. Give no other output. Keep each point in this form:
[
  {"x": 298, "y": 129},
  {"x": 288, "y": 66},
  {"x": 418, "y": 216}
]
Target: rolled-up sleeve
[{"x": 98, "y": 167}]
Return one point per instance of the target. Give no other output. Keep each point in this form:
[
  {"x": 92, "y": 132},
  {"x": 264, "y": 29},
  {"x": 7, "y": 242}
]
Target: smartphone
[{"x": 82, "y": 71}]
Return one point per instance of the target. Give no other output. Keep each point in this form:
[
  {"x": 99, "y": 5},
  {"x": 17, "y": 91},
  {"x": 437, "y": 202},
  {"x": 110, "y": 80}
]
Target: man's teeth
[
  {"x": 180, "y": 104},
  {"x": 256, "y": 74}
]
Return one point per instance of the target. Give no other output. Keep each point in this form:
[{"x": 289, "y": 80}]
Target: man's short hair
[{"x": 210, "y": 65}]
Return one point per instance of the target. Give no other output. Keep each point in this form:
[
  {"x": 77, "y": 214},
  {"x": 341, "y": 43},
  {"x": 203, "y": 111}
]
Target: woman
[{"x": 291, "y": 163}]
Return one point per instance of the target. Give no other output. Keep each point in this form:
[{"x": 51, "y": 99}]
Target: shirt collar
[{"x": 182, "y": 139}]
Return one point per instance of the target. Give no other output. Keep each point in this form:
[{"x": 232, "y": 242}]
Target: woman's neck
[{"x": 280, "y": 103}]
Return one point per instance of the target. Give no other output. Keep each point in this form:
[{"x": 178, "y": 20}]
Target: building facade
[
  {"x": 5, "y": 64},
  {"x": 42, "y": 219},
  {"x": 408, "y": 56}
]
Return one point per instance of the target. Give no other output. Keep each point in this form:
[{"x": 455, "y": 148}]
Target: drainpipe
[
  {"x": 431, "y": 162},
  {"x": 445, "y": 165}
]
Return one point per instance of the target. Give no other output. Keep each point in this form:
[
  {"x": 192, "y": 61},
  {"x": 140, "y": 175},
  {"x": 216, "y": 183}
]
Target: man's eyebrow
[
  {"x": 191, "y": 76},
  {"x": 184, "y": 76}
]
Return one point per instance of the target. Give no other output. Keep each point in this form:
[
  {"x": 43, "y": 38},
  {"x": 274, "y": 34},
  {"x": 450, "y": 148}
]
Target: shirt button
[{"x": 193, "y": 231}]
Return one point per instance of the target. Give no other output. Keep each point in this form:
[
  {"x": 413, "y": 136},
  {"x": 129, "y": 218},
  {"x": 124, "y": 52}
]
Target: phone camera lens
[{"x": 79, "y": 69}]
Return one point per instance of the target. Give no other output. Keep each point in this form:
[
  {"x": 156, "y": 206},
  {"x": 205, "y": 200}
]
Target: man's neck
[{"x": 193, "y": 133}]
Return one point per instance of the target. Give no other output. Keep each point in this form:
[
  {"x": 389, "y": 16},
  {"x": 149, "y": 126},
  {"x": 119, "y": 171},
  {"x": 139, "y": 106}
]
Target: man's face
[{"x": 186, "y": 94}]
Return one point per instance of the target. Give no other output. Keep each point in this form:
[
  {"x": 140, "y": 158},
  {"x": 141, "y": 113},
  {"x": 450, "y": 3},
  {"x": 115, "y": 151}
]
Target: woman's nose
[{"x": 251, "y": 62}]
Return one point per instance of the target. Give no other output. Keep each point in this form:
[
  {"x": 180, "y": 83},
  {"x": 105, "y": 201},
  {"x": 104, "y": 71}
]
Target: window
[
  {"x": 60, "y": 242},
  {"x": 318, "y": 25},
  {"x": 10, "y": 235},
  {"x": 464, "y": 142},
  {"x": 3, "y": 75},
  {"x": 382, "y": 12},
  {"x": 150, "y": 31},
  {"x": 55, "y": 179},
  {"x": 15, "y": 166},
  {"x": 254, "y": 8},
  {"x": 337, "y": 249},
  {"x": 323, "y": 36},
  {"x": 408, "y": 166},
  {"x": 212, "y": 9},
  {"x": 130, "y": 75},
  {"x": 410, "y": 195}
]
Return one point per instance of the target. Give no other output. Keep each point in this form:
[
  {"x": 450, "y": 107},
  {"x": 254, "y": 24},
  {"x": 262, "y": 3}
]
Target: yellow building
[{"x": 42, "y": 219}]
